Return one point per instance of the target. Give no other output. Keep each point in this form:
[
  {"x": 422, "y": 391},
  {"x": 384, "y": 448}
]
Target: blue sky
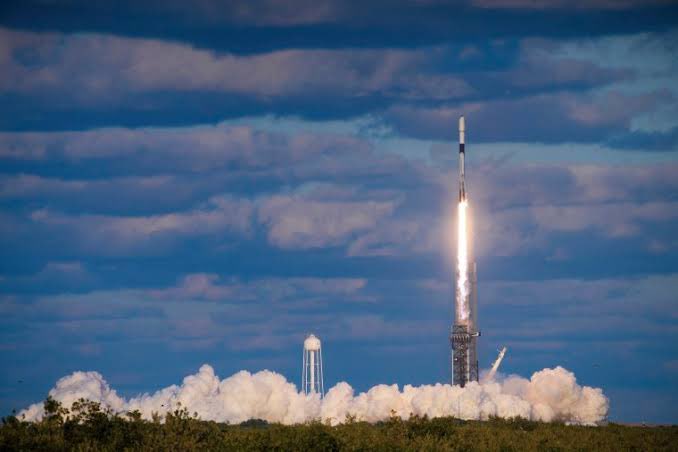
[{"x": 207, "y": 184}]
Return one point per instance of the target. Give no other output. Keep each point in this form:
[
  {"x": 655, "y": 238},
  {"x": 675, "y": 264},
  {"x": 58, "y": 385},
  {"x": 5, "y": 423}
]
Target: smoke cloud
[{"x": 549, "y": 395}]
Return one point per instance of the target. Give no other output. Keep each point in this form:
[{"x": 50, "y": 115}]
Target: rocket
[{"x": 462, "y": 182}]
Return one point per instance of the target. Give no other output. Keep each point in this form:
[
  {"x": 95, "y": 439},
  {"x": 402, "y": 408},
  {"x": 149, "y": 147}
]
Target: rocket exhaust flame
[
  {"x": 462, "y": 308},
  {"x": 462, "y": 265},
  {"x": 495, "y": 366}
]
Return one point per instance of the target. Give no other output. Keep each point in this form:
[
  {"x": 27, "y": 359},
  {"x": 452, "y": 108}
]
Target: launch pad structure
[
  {"x": 464, "y": 341},
  {"x": 464, "y": 332}
]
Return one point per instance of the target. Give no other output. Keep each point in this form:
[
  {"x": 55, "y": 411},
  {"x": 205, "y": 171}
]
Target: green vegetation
[{"x": 87, "y": 427}]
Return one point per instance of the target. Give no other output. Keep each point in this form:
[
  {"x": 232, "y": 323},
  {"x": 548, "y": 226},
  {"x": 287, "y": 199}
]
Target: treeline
[{"x": 86, "y": 426}]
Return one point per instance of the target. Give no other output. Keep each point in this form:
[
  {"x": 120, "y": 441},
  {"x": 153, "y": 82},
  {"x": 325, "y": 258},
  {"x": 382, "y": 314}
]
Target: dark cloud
[
  {"x": 540, "y": 66},
  {"x": 545, "y": 118},
  {"x": 71, "y": 81},
  {"x": 245, "y": 26},
  {"x": 567, "y": 4},
  {"x": 651, "y": 141}
]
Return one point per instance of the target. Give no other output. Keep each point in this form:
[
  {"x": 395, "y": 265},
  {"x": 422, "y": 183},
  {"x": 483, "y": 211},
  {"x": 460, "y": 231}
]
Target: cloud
[
  {"x": 200, "y": 311},
  {"x": 295, "y": 222},
  {"x": 53, "y": 276},
  {"x": 566, "y": 4},
  {"x": 292, "y": 221},
  {"x": 137, "y": 82},
  {"x": 602, "y": 310},
  {"x": 614, "y": 220},
  {"x": 561, "y": 117},
  {"x": 616, "y": 203},
  {"x": 192, "y": 163},
  {"x": 397, "y": 237},
  {"x": 266, "y": 12},
  {"x": 190, "y": 149},
  {"x": 122, "y": 235},
  {"x": 129, "y": 195},
  {"x": 263, "y": 313},
  {"x": 113, "y": 69},
  {"x": 64, "y": 311},
  {"x": 652, "y": 141},
  {"x": 262, "y": 25},
  {"x": 541, "y": 64},
  {"x": 30, "y": 185},
  {"x": 202, "y": 286},
  {"x": 309, "y": 191}
]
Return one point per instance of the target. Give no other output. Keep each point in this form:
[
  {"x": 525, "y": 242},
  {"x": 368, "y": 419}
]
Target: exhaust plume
[
  {"x": 549, "y": 395},
  {"x": 495, "y": 366},
  {"x": 462, "y": 265}
]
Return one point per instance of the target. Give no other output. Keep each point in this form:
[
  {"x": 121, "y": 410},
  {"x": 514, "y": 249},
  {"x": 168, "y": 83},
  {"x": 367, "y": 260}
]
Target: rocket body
[{"x": 462, "y": 154}]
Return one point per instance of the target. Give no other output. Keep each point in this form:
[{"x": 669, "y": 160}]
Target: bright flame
[{"x": 462, "y": 265}]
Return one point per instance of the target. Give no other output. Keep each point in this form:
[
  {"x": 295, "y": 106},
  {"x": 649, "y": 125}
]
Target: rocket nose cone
[{"x": 462, "y": 125}]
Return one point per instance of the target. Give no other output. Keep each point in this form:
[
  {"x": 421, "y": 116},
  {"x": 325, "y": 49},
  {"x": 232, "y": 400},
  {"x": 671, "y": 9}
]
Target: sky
[{"x": 207, "y": 182}]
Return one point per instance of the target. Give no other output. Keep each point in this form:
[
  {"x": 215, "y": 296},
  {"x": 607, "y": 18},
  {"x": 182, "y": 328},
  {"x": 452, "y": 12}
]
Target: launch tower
[{"x": 464, "y": 332}]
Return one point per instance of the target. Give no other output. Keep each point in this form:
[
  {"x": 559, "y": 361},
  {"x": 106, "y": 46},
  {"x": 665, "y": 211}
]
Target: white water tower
[{"x": 312, "y": 372}]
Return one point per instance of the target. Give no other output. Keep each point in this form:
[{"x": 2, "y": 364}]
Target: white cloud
[
  {"x": 296, "y": 222},
  {"x": 113, "y": 235},
  {"x": 615, "y": 220},
  {"x": 94, "y": 68}
]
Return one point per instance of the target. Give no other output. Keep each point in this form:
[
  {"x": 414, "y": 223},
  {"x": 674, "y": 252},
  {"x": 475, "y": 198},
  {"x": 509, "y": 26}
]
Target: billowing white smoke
[{"x": 551, "y": 394}]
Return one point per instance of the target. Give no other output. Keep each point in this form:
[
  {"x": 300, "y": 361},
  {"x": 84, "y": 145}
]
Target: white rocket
[{"x": 462, "y": 183}]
